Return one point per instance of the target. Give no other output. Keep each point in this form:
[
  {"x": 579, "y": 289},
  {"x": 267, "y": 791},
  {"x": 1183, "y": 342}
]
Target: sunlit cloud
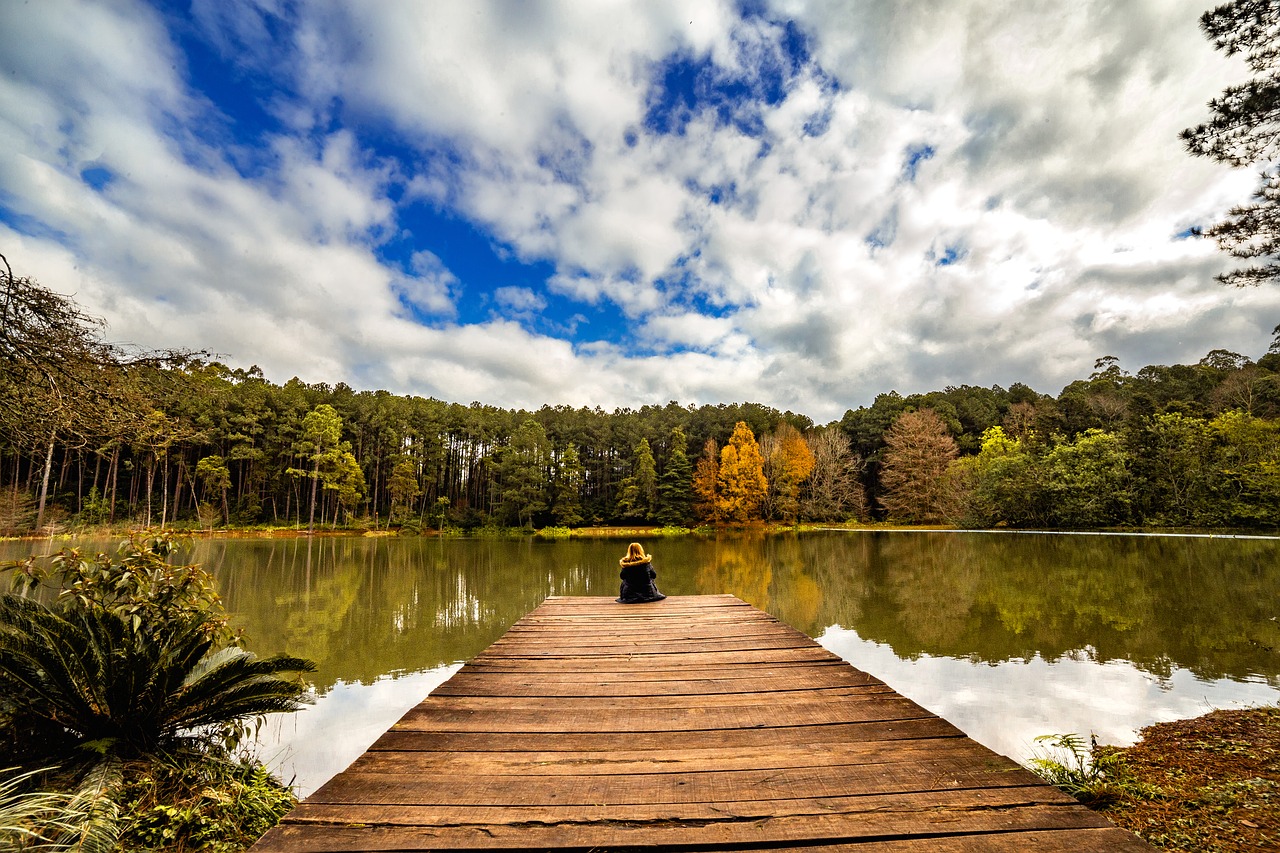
[{"x": 803, "y": 205}]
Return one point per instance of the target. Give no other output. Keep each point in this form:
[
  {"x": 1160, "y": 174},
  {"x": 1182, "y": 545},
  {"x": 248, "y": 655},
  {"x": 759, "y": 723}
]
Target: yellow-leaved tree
[
  {"x": 742, "y": 486},
  {"x": 790, "y": 464},
  {"x": 706, "y": 477}
]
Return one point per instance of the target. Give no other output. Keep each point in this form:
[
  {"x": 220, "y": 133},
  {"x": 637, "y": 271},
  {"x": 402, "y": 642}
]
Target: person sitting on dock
[{"x": 638, "y": 577}]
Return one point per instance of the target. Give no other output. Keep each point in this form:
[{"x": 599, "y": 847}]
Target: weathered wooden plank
[
  {"x": 365, "y": 786},
  {"x": 427, "y": 717},
  {"x": 622, "y": 761},
  {"x": 696, "y": 721},
  {"x": 727, "y": 824},
  {"x": 777, "y": 700},
  {"x": 477, "y": 682},
  {"x": 927, "y": 726}
]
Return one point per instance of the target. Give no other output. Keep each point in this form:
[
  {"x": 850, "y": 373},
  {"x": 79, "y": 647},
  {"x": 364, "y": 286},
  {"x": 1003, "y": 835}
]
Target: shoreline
[
  {"x": 1206, "y": 783},
  {"x": 620, "y": 532}
]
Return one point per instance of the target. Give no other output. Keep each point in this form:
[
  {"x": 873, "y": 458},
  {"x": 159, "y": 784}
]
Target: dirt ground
[{"x": 1208, "y": 784}]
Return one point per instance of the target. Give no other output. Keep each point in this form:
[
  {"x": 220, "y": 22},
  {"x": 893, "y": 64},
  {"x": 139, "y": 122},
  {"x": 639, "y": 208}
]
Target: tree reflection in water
[{"x": 1061, "y": 632}]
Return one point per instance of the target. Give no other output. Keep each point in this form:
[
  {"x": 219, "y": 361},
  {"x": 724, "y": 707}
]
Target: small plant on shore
[{"x": 1093, "y": 776}]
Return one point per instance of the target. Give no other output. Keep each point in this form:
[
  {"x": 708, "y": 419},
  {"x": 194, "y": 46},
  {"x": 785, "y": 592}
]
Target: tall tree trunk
[
  {"x": 177, "y": 488},
  {"x": 44, "y": 481},
  {"x": 164, "y": 494},
  {"x": 113, "y": 475},
  {"x": 151, "y": 482},
  {"x": 315, "y": 485}
]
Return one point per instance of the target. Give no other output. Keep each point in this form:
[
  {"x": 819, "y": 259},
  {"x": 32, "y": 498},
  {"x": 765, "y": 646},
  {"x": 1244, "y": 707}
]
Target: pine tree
[
  {"x": 403, "y": 485},
  {"x": 567, "y": 509},
  {"x": 674, "y": 495},
  {"x": 639, "y": 493},
  {"x": 1245, "y": 129}
]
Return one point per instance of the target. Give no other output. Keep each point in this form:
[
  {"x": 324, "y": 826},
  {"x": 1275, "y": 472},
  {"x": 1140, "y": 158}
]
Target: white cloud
[
  {"x": 519, "y": 299},
  {"x": 799, "y": 263}
]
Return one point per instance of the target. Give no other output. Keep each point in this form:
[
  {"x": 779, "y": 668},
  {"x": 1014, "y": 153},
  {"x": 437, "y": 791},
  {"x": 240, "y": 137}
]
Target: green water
[{"x": 1007, "y": 635}]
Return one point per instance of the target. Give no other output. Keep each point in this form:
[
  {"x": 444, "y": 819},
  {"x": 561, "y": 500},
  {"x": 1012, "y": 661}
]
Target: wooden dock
[{"x": 695, "y": 723}]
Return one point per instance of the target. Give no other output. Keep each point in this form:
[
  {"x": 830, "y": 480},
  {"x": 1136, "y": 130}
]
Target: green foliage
[
  {"x": 134, "y": 657},
  {"x": 28, "y": 816},
  {"x": 1087, "y": 481},
  {"x": 1069, "y": 766},
  {"x": 675, "y": 486},
  {"x": 567, "y": 509},
  {"x": 87, "y": 677},
  {"x": 522, "y": 473},
  {"x": 403, "y": 487},
  {"x": 94, "y": 509},
  {"x": 189, "y": 441},
  {"x": 638, "y": 493},
  {"x": 1242, "y": 131},
  {"x": 1093, "y": 776},
  {"x": 211, "y": 806}
]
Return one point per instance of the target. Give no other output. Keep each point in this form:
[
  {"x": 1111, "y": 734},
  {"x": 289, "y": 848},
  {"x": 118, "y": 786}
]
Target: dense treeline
[{"x": 89, "y": 436}]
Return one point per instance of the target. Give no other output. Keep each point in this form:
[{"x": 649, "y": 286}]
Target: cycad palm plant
[
  {"x": 133, "y": 660},
  {"x": 87, "y": 676}
]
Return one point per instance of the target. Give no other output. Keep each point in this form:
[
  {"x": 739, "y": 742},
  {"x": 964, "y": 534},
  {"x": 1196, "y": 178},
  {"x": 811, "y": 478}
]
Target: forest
[{"x": 91, "y": 434}]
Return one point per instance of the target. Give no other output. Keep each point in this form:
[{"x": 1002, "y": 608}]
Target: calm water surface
[{"x": 1009, "y": 636}]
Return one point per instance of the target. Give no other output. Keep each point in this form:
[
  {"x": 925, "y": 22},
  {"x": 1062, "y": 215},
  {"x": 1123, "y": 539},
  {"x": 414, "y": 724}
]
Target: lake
[{"x": 1007, "y": 635}]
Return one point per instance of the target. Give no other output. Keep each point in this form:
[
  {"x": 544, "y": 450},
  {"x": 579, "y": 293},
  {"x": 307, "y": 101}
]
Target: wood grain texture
[{"x": 695, "y": 722}]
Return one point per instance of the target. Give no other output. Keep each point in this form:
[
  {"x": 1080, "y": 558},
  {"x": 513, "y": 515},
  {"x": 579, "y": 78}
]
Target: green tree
[
  {"x": 1245, "y": 476},
  {"x": 522, "y": 476},
  {"x": 638, "y": 493},
  {"x": 347, "y": 483},
  {"x": 1244, "y": 129},
  {"x": 567, "y": 506},
  {"x": 133, "y": 659},
  {"x": 741, "y": 485},
  {"x": 215, "y": 476},
  {"x": 1169, "y": 455},
  {"x": 675, "y": 497},
  {"x": 321, "y": 442},
  {"x": 1088, "y": 482},
  {"x": 403, "y": 486}
]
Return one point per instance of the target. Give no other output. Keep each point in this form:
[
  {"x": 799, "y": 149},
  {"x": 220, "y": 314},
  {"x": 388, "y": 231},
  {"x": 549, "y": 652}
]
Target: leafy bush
[
  {"x": 134, "y": 661},
  {"x": 212, "y": 806}
]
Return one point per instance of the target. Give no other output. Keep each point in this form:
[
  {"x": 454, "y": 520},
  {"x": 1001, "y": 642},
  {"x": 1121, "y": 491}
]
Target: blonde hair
[{"x": 635, "y": 554}]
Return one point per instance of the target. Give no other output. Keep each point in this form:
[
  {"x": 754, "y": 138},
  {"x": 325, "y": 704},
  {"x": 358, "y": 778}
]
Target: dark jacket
[{"x": 638, "y": 582}]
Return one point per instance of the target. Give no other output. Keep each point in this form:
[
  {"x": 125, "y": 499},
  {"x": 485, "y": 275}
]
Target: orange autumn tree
[
  {"x": 790, "y": 464},
  {"x": 706, "y": 476},
  {"x": 742, "y": 487}
]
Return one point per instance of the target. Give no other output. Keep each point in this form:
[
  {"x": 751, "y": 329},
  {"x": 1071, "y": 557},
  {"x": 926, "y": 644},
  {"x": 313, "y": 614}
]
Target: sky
[{"x": 615, "y": 204}]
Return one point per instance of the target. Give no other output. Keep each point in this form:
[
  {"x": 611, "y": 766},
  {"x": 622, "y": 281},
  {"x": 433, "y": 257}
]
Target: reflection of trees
[
  {"x": 363, "y": 608},
  {"x": 736, "y": 565},
  {"x": 1158, "y": 602},
  {"x": 368, "y": 607}
]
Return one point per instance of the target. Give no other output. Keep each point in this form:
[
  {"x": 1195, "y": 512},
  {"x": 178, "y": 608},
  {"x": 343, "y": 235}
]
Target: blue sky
[{"x": 801, "y": 204}]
